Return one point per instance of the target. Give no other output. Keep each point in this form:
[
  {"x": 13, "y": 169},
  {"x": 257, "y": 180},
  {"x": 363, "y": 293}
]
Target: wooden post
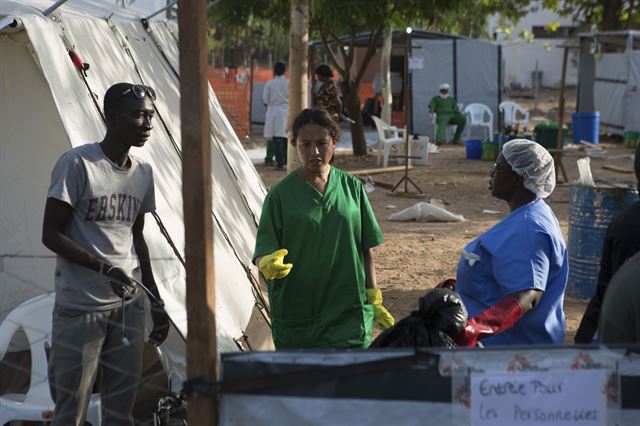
[
  {"x": 197, "y": 206},
  {"x": 558, "y": 154},
  {"x": 298, "y": 57},
  {"x": 250, "y": 95}
]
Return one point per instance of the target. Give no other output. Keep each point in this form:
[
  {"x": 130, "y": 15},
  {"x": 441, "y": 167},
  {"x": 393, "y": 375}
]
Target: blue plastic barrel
[
  {"x": 585, "y": 126},
  {"x": 590, "y": 212},
  {"x": 474, "y": 149}
]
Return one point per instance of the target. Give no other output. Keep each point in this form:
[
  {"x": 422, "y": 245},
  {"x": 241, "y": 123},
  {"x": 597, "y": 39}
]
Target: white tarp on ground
[{"x": 46, "y": 108}]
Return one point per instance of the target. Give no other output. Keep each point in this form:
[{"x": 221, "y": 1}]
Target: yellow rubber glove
[
  {"x": 272, "y": 267},
  {"x": 380, "y": 314}
]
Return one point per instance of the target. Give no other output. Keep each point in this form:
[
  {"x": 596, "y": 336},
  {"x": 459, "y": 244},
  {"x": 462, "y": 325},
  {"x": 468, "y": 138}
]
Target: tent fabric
[
  {"x": 631, "y": 108},
  {"x": 46, "y": 108},
  {"x": 478, "y": 72},
  {"x": 608, "y": 82},
  {"x": 609, "y": 89},
  {"x": 437, "y": 60},
  {"x": 471, "y": 67}
]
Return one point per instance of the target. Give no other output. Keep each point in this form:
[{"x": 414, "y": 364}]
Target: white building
[{"x": 520, "y": 56}]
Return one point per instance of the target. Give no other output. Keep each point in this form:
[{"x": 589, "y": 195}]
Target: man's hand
[
  {"x": 160, "y": 324},
  {"x": 120, "y": 282}
]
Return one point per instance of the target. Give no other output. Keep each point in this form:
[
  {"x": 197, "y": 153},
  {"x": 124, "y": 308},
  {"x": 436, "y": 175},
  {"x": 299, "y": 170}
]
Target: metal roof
[{"x": 399, "y": 37}]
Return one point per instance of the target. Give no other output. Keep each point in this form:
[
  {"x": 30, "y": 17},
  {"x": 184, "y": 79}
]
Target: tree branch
[
  {"x": 332, "y": 56},
  {"x": 374, "y": 39}
]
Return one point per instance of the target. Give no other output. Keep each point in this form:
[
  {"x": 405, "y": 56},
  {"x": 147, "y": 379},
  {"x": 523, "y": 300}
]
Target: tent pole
[
  {"x": 197, "y": 207},
  {"x": 157, "y": 12},
  {"x": 53, "y": 7},
  {"x": 559, "y": 147}
]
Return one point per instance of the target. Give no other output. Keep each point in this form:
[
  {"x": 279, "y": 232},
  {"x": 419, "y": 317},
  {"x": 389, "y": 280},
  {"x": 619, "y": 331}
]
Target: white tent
[
  {"x": 609, "y": 75},
  {"x": 47, "y": 107}
]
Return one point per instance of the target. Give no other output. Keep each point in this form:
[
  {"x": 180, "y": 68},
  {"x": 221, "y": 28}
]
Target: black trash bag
[
  {"x": 412, "y": 332},
  {"x": 443, "y": 310},
  {"x": 441, "y": 316}
]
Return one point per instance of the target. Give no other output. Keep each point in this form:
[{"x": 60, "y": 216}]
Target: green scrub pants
[{"x": 443, "y": 120}]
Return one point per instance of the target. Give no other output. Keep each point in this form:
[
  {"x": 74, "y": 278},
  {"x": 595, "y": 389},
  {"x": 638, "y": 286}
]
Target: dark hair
[
  {"x": 113, "y": 94},
  {"x": 279, "y": 68},
  {"x": 318, "y": 116},
  {"x": 324, "y": 71}
]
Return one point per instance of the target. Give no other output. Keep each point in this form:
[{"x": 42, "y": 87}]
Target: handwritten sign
[
  {"x": 416, "y": 63},
  {"x": 572, "y": 398}
]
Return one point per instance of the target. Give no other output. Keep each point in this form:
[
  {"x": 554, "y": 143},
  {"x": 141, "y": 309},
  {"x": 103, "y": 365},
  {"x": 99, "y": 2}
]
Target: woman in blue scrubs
[{"x": 512, "y": 278}]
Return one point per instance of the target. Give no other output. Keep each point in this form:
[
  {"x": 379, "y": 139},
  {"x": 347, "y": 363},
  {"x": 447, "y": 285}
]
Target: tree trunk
[
  {"x": 352, "y": 105},
  {"x": 385, "y": 76},
  {"x": 611, "y": 11},
  {"x": 298, "y": 57}
]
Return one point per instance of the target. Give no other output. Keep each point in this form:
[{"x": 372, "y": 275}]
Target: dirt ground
[{"x": 416, "y": 256}]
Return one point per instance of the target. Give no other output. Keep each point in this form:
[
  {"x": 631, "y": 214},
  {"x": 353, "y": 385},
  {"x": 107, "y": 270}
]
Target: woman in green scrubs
[{"x": 320, "y": 219}]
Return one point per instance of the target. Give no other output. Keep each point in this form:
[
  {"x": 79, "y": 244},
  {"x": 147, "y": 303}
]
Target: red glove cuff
[
  {"x": 449, "y": 283},
  {"x": 499, "y": 317}
]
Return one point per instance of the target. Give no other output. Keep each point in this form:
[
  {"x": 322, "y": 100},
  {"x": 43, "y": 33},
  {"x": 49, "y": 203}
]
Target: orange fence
[{"x": 233, "y": 89}]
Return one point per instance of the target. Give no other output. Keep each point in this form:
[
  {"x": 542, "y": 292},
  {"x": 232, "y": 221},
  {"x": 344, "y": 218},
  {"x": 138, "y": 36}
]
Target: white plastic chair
[
  {"x": 479, "y": 115},
  {"x": 385, "y": 143},
  {"x": 34, "y": 317},
  {"x": 511, "y": 111}
]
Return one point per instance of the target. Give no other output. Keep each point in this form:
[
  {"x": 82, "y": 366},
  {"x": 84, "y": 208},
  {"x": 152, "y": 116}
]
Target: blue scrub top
[{"x": 525, "y": 250}]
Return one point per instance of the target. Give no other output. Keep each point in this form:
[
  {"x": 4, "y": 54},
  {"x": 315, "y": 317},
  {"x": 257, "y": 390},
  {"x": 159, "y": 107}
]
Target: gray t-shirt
[{"x": 106, "y": 200}]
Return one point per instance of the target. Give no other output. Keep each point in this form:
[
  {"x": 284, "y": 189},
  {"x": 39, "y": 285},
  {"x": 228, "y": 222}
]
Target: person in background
[
  {"x": 372, "y": 107},
  {"x": 276, "y": 97},
  {"x": 446, "y": 110},
  {"x": 327, "y": 95},
  {"x": 620, "y": 316},
  {"x": 621, "y": 242},
  {"x": 513, "y": 277},
  {"x": 320, "y": 219},
  {"x": 94, "y": 221}
]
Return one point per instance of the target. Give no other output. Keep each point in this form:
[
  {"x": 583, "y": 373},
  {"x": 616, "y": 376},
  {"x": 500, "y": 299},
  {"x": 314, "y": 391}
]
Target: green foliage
[{"x": 600, "y": 14}]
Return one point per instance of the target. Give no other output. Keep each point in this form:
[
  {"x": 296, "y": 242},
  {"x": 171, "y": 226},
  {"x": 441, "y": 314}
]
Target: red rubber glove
[{"x": 499, "y": 317}]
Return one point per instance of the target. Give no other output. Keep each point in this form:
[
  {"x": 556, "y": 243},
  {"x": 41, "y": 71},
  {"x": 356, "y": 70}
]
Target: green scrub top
[
  {"x": 322, "y": 302},
  {"x": 443, "y": 106}
]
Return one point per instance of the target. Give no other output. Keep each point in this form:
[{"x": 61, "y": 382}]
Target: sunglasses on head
[{"x": 140, "y": 91}]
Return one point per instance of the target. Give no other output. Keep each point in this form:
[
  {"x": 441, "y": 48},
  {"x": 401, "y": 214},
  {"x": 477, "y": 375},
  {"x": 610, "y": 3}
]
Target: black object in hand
[
  {"x": 441, "y": 316},
  {"x": 443, "y": 310}
]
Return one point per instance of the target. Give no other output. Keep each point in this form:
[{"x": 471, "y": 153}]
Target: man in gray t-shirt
[{"x": 93, "y": 221}]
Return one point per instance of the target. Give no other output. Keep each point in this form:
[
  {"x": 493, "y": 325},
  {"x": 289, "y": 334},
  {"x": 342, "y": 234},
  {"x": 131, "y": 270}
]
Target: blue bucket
[
  {"x": 474, "y": 149},
  {"x": 590, "y": 213},
  {"x": 585, "y": 126}
]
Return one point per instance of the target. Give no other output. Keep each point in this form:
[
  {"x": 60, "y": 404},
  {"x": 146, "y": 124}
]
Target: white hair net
[
  {"x": 444, "y": 86},
  {"x": 534, "y": 163}
]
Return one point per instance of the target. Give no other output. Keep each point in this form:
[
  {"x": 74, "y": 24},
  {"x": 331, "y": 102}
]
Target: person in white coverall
[{"x": 276, "y": 97}]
